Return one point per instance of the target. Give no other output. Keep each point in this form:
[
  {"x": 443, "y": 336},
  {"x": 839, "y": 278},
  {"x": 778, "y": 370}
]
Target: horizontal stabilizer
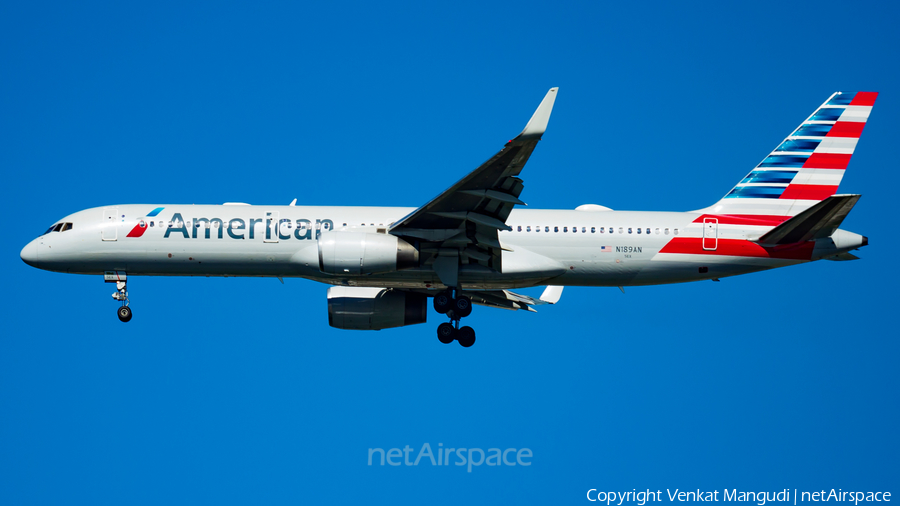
[{"x": 817, "y": 222}]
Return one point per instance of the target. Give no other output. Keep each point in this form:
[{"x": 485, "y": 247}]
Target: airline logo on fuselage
[
  {"x": 141, "y": 227},
  {"x": 236, "y": 228}
]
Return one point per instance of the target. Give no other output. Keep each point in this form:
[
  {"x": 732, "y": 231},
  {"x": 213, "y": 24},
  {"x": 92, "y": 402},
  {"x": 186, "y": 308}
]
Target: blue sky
[{"x": 238, "y": 391}]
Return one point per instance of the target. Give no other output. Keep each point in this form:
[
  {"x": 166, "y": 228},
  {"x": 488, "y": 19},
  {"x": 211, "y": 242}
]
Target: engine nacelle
[
  {"x": 364, "y": 253},
  {"x": 359, "y": 308}
]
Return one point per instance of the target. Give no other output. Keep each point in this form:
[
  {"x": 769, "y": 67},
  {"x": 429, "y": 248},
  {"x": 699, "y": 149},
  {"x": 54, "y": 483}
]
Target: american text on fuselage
[{"x": 238, "y": 228}]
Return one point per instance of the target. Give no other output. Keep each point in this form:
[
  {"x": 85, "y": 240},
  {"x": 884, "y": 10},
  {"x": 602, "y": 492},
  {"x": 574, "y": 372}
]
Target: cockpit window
[
  {"x": 66, "y": 226},
  {"x": 57, "y": 227},
  {"x": 49, "y": 230}
]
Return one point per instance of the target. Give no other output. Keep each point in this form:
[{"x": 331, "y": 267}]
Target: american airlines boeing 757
[{"x": 473, "y": 243}]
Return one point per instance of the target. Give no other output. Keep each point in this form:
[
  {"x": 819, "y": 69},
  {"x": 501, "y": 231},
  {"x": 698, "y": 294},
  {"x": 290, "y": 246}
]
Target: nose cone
[{"x": 29, "y": 253}]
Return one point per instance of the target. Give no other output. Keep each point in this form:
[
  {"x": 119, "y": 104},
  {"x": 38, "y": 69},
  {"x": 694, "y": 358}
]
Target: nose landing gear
[
  {"x": 121, "y": 293},
  {"x": 456, "y": 308}
]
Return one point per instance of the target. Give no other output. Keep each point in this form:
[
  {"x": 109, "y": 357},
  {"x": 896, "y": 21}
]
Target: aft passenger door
[
  {"x": 109, "y": 228},
  {"x": 710, "y": 234}
]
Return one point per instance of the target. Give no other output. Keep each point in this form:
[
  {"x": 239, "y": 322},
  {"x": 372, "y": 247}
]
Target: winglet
[
  {"x": 538, "y": 122},
  {"x": 551, "y": 294}
]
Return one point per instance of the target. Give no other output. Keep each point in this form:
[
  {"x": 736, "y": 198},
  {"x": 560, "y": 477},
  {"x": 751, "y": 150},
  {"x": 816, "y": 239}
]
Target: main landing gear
[{"x": 456, "y": 308}]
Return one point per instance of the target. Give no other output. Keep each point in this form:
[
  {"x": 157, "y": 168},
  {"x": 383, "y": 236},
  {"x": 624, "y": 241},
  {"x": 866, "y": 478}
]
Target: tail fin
[{"x": 805, "y": 168}]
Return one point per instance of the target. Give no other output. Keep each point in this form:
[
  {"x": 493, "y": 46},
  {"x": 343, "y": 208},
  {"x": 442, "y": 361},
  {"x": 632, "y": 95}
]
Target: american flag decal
[{"x": 605, "y": 249}]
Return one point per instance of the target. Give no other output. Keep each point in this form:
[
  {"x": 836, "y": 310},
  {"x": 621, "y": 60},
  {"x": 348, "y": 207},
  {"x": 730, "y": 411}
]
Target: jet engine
[
  {"x": 364, "y": 253},
  {"x": 359, "y": 308}
]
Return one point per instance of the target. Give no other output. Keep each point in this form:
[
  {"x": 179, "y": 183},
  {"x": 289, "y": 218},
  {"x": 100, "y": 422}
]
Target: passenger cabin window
[
  {"x": 546, "y": 229},
  {"x": 639, "y": 230},
  {"x": 520, "y": 228},
  {"x": 667, "y": 231},
  {"x": 584, "y": 230},
  {"x": 602, "y": 229},
  {"x": 621, "y": 230},
  {"x": 629, "y": 230},
  {"x": 528, "y": 228},
  {"x": 594, "y": 229},
  {"x": 565, "y": 229},
  {"x": 657, "y": 231},
  {"x": 675, "y": 231},
  {"x": 648, "y": 230}
]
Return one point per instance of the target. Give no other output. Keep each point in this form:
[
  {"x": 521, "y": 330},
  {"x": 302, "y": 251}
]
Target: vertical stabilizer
[{"x": 807, "y": 166}]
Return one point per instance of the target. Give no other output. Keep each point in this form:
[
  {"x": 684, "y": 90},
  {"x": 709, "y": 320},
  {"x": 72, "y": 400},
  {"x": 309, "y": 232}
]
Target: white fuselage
[{"x": 558, "y": 247}]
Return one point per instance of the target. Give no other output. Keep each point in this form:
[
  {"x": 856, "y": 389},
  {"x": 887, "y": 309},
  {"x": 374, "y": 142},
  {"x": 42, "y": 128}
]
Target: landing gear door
[
  {"x": 272, "y": 226},
  {"x": 710, "y": 234},
  {"x": 110, "y": 226}
]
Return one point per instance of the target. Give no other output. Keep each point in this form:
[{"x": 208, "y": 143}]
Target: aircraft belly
[{"x": 473, "y": 277}]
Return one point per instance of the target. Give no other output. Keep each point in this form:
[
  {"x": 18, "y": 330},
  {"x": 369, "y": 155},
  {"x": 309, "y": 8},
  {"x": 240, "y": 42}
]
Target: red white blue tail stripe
[{"x": 807, "y": 166}]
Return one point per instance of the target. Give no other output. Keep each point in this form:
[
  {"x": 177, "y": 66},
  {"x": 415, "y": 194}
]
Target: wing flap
[{"x": 506, "y": 299}]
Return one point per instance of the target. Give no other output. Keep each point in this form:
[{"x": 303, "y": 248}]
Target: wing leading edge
[{"x": 463, "y": 221}]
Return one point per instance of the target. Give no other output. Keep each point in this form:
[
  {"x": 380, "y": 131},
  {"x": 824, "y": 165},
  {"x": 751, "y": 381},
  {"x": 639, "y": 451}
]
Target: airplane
[{"x": 474, "y": 243}]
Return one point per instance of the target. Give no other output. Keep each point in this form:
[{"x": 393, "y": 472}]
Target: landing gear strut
[
  {"x": 456, "y": 308},
  {"x": 121, "y": 294}
]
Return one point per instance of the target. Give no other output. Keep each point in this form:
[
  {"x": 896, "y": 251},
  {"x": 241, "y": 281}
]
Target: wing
[
  {"x": 463, "y": 221},
  {"x": 505, "y": 299}
]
